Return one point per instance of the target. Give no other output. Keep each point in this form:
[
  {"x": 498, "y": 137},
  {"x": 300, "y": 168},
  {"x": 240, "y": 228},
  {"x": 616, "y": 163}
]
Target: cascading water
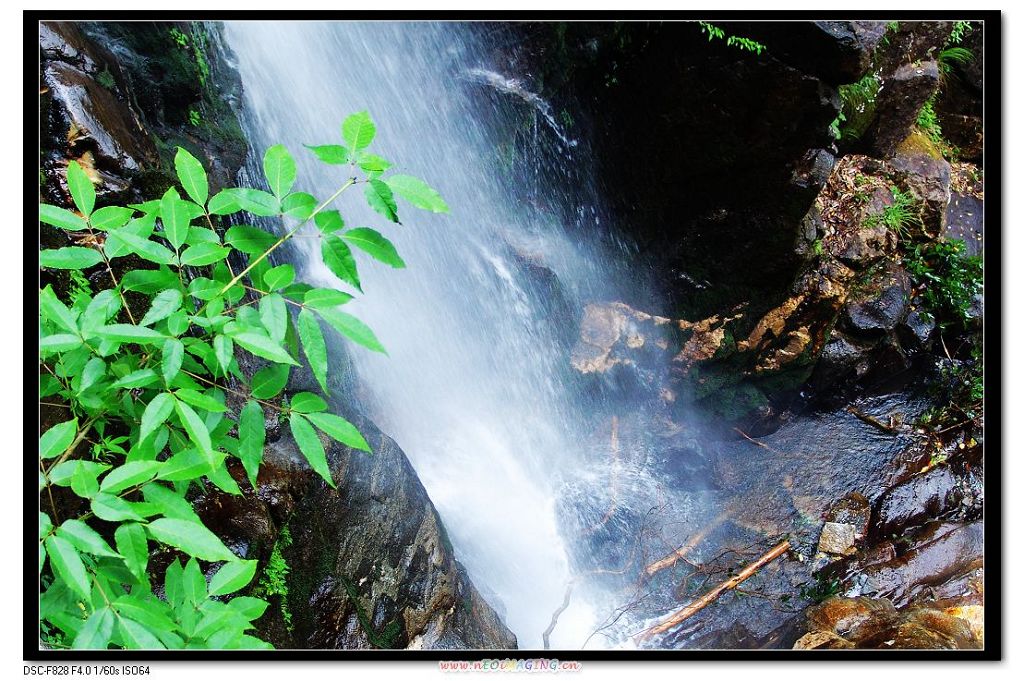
[{"x": 476, "y": 387}]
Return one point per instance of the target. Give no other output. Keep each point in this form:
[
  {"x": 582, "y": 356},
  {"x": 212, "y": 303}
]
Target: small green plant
[
  {"x": 194, "y": 119},
  {"x": 821, "y": 590},
  {"x": 857, "y": 108},
  {"x": 954, "y": 55},
  {"x": 106, "y": 79},
  {"x": 948, "y": 278},
  {"x": 179, "y": 38},
  {"x": 717, "y": 33},
  {"x": 146, "y": 385},
  {"x": 274, "y": 580},
  {"x": 900, "y": 216},
  {"x": 959, "y": 32}
]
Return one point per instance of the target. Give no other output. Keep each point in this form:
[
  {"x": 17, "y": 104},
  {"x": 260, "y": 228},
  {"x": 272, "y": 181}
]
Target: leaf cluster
[{"x": 155, "y": 391}]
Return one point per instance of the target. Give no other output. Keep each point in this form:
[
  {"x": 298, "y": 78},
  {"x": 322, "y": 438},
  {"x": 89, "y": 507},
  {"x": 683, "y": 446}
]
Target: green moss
[
  {"x": 388, "y": 637},
  {"x": 106, "y": 79}
]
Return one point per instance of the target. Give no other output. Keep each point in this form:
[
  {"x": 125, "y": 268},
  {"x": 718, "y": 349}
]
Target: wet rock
[
  {"x": 950, "y": 551},
  {"x": 867, "y": 240},
  {"x": 371, "y": 565},
  {"x": 875, "y": 623},
  {"x": 917, "y": 330},
  {"x": 950, "y": 492},
  {"x": 965, "y": 220},
  {"x": 919, "y": 168},
  {"x": 837, "y": 539},
  {"x": 853, "y": 509},
  {"x": 838, "y": 52},
  {"x": 879, "y": 308},
  {"x": 898, "y": 103},
  {"x": 613, "y": 334}
]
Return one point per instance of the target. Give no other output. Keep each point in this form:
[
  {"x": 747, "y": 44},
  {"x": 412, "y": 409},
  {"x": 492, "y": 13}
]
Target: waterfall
[{"x": 476, "y": 386}]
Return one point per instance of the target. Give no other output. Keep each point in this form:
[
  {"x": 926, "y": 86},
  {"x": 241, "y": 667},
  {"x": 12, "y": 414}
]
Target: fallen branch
[
  {"x": 871, "y": 420},
  {"x": 556, "y": 614},
  {"x": 696, "y": 606},
  {"x": 680, "y": 553}
]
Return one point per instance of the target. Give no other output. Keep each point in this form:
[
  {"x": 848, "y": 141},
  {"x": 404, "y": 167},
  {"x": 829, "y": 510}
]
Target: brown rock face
[{"x": 899, "y": 102}]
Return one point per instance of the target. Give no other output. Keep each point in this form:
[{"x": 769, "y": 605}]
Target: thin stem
[
  {"x": 263, "y": 256},
  {"x": 71, "y": 448}
]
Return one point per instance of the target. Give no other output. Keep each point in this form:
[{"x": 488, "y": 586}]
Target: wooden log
[
  {"x": 680, "y": 553},
  {"x": 677, "y": 618}
]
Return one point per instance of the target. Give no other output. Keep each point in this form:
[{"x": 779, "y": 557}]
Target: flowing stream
[{"x": 476, "y": 387}]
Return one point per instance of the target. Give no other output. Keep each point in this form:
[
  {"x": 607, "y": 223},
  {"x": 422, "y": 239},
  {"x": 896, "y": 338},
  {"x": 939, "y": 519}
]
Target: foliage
[
  {"x": 959, "y": 32},
  {"x": 857, "y": 107},
  {"x": 274, "y": 580},
  {"x": 954, "y": 55},
  {"x": 949, "y": 279},
  {"x": 820, "y": 590},
  {"x": 156, "y": 391},
  {"x": 901, "y": 215},
  {"x": 194, "y": 119},
  {"x": 714, "y": 32}
]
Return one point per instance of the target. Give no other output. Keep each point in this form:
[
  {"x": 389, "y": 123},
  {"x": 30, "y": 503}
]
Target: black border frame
[{"x": 993, "y": 328}]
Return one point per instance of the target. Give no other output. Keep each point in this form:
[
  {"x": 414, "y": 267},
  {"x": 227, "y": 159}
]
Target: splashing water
[{"x": 476, "y": 388}]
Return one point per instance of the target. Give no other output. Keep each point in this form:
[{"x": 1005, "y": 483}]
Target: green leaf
[
  {"x": 60, "y": 217},
  {"x": 198, "y": 399},
  {"x": 339, "y": 260},
  {"x": 249, "y": 239},
  {"x": 59, "y": 342},
  {"x": 81, "y": 188},
  {"x": 155, "y": 414},
  {"x": 111, "y": 217},
  {"x": 137, "y": 379},
  {"x": 270, "y": 381},
  {"x": 279, "y": 277},
  {"x": 232, "y": 577},
  {"x": 224, "y": 349},
  {"x": 133, "y": 545},
  {"x": 176, "y": 215},
  {"x": 339, "y": 429},
  {"x": 68, "y": 565},
  {"x": 299, "y": 205},
  {"x": 69, "y": 258},
  {"x": 349, "y": 326},
  {"x": 57, "y": 439},
  {"x": 325, "y": 298},
  {"x": 84, "y": 483},
  {"x": 358, "y": 130},
  {"x": 136, "y": 636},
  {"x": 195, "y": 427},
  {"x": 262, "y": 346},
  {"x": 372, "y": 242},
  {"x": 417, "y": 193},
  {"x": 248, "y": 607},
  {"x": 129, "y": 475},
  {"x": 328, "y": 221},
  {"x": 84, "y": 538},
  {"x": 149, "y": 281},
  {"x": 314, "y": 346},
  {"x": 95, "y": 369},
  {"x": 163, "y": 305},
  {"x": 172, "y": 357},
  {"x": 279, "y": 167},
  {"x": 255, "y": 201},
  {"x": 104, "y": 305},
  {"x": 224, "y": 202},
  {"x": 141, "y": 246},
  {"x": 130, "y": 333},
  {"x": 192, "y": 176},
  {"x": 380, "y": 198},
  {"x": 251, "y": 437},
  {"x": 97, "y": 631},
  {"x": 305, "y": 403},
  {"x": 191, "y": 537},
  {"x": 274, "y": 316},
  {"x": 371, "y": 163},
  {"x": 45, "y": 525},
  {"x": 310, "y": 445},
  {"x": 63, "y": 474},
  {"x": 56, "y": 311},
  {"x": 334, "y": 154},
  {"x": 186, "y": 465},
  {"x": 170, "y": 503},
  {"x": 112, "y": 508},
  {"x": 204, "y": 254}
]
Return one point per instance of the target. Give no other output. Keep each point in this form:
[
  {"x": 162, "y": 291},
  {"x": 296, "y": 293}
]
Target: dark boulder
[
  {"x": 965, "y": 220},
  {"x": 878, "y": 309},
  {"x": 898, "y": 104}
]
